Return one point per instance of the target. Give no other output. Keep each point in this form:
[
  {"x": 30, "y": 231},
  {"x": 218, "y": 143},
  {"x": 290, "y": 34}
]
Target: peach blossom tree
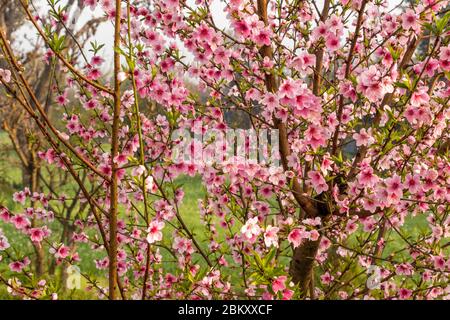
[{"x": 347, "y": 198}]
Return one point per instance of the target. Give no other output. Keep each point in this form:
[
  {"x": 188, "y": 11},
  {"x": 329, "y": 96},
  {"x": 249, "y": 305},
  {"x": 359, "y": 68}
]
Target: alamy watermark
[
  {"x": 374, "y": 280},
  {"x": 214, "y": 146},
  {"x": 73, "y": 278}
]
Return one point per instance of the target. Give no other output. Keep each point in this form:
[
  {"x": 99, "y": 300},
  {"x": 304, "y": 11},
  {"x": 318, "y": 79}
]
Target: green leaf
[
  {"x": 442, "y": 23},
  {"x": 269, "y": 257}
]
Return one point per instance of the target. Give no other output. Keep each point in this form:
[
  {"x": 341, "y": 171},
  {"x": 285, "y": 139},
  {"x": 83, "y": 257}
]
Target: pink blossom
[
  {"x": 5, "y": 75},
  {"x": 326, "y": 278},
  {"x": 62, "y": 99},
  {"x": 36, "y": 234},
  {"x": 409, "y": 20},
  {"x": 270, "y": 100},
  {"x": 19, "y": 197},
  {"x": 404, "y": 293},
  {"x": 287, "y": 294},
  {"x": 90, "y": 3},
  {"x": 412, "y": 183},
  {"x": 4, "y": 214},
  {"x": 154, "y": 231},
  {"x": 4, "y": 244},
  {"x": 16, "y": 266},
  {"x": 62, "y": 252},
  {"x": 279, "y": 284},
  {"x": 242, "y": 28},
  {"x": 251, "y": 230},
  {"x": 420, "y": 96},
  {"x": 287, "y": 89},
  {"x": 320, "y": 31},
  {"x": 270, "y": 236},
  {"x": 314, "y": 235},
  {"x": 363, "y": 138},
  {"x": 332, "y": 42},
  {"x": 263, "y": 37},
  {"x": 366, "y": 178},
  {"x": 296, "y": 237},
  {"x": 394, "y": 186},
  {"x": 318, "y": 182},
  {"x": 20, "y": 222},
  {"x": 439, "y": 262}
]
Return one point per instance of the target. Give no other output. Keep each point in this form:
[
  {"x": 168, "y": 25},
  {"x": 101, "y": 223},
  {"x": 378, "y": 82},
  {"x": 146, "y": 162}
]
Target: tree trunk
[
  {"x": 302, "y": 264},
  {"x": 30, "y": 178},
  {"x": 304, "y": 256}
]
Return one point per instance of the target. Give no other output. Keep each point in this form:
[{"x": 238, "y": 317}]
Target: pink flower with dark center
[
  {"x": 411, "y": 114},
  {"x": 62, "y": 99},
  {"x": 287, "y": 294},
  {"x": 366, "y": 178},
  {"x": 90, "y": 3},
  {"x": 270, "y": 100},
  {"x": 320, "y": 31},
  {"x": 90, "y": 104},
  {"x": 105, "y": 169},
  {"x": 347, "y": 90},
  {"x": 296, "y": 236},
  {"x": 16, "y": 266},
  {"x": 221, "y": 56},
  {"x": 279, "y": 284},
  {"x": 318, "y": 182},
  {"x": 370, "y": 204},
  {"x": 430, "y": 180},
  {"x": 102, "y": 264},
  {"x": 20, "y": 222},
  {"x": 242, "y": 28},
  {"x": 263, "y": 37},
  {"x": 420, "y": 96},
  {"x": 315, "y": 136},
  {"x": 270, "y": 236},
  {"x": 180, "y": 244},
  {"x": 405, "y": 293},
  {"x": 332, "y": 42},
  {"x": 19, "y": 197},
  {"x": 204, "y": 33},
  {"x": 94, "y": 74},
  {"x": 154, "y": 231},
  {"x": 369, "y": 224},
  {"x": 363, "y": 138},
  {"x": 409, "y": 20},
  {"x": 287, "y": 89},
  {"x": 351, "y": 227},
  {"x": 62, "y": 252},
  {"x": 404, "y": 269},
  {"x": 36, "y": 234},
  {"x": 394, "y": 186},
  {"x": 4, "y": 244},
  {"x": 251, "y": 230},
  {"x": 121, "y": 159},
  {"x": 439, "y": 262},
  {"x": 326, "y": 278},
  {"x": 412, "y": 183},
  {"x": 5, "y": 215}
]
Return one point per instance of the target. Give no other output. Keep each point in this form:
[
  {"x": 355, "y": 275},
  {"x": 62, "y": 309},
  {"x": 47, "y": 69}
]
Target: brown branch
[
  {"x": 60, "y": 56},
  {"x": 15, "y": 65},
  {"x": 347, "y": 74},
  {"x": 386, "y": 101},
  {"x": 114, "y": 151}
]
